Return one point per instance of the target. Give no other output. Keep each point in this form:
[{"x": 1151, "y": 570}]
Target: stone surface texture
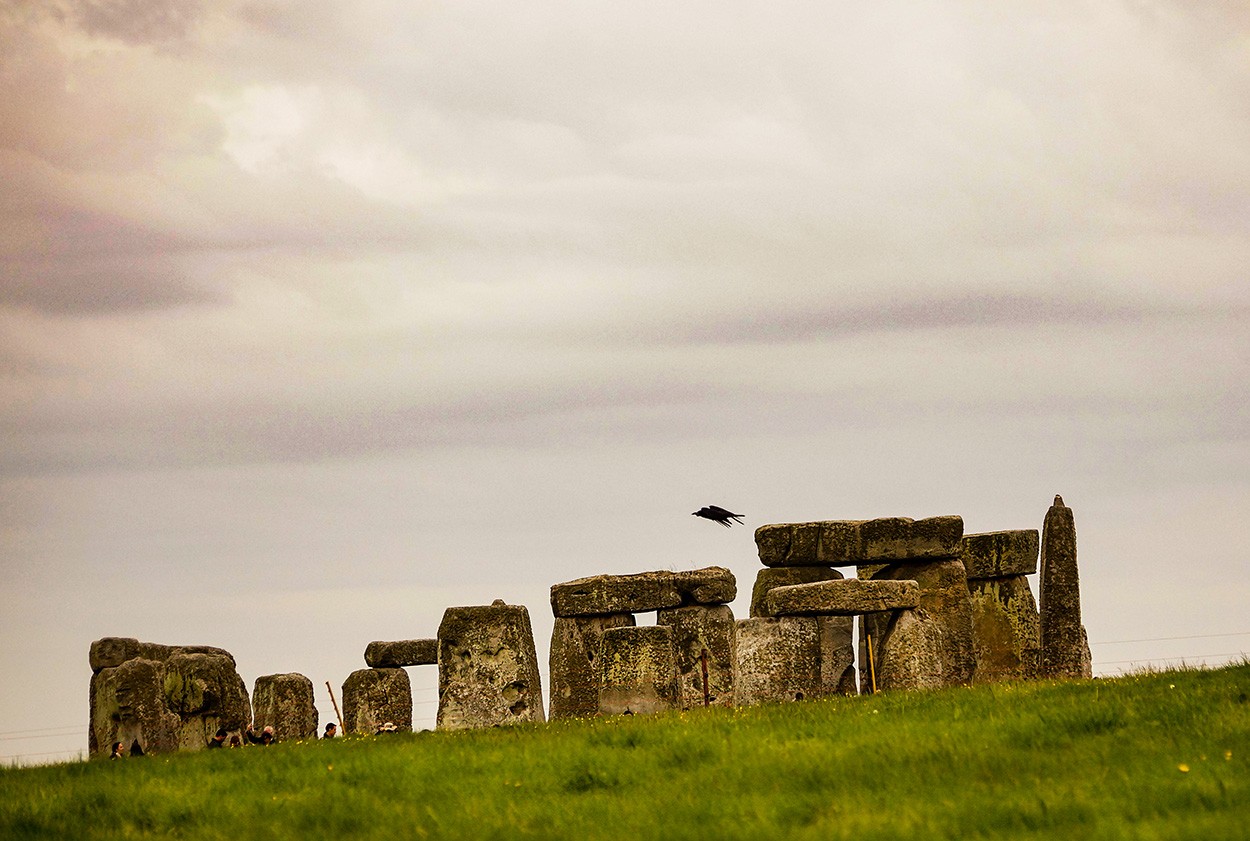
[
  {"x": 487, "y": 667},
  {"x": 853, "y": 542},
  {"x": 848, "y": 597},
  {"x": 946, "y": 603},
  {"x": 286, "y": 703},
  {"x": 1005, "y": 629},
  {"x": 166, "y": 697},
  {"x": 770, "y": 578},
  {"x": 911, "y": 656},
  {"x": 373, "y": 697},
  {"x": 1064, "y": 645},
  {"x": 998, "y": 554},
  {"x": 705, "y": 652},
  {"x": 790, "y": 658},
  {"x": 576, "y": 645},
  {"x": 602, "y": 595},
  {"x": 639, "y": 671},
  {"x": 400, "y": 653}
]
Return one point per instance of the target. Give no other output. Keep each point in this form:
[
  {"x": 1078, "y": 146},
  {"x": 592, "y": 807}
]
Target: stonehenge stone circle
[
  {"x": 487, "y": 667},
  {"x": 639, "y": 672},
  {"x": 286, "y": 703},
  {"x": 400, "y": 653},
  {"x": 576, "y": 644},
  {"x": 1064, "y": 644},
  {"x": 166, "y": 697},
  {"x": 373, "y": 697}
]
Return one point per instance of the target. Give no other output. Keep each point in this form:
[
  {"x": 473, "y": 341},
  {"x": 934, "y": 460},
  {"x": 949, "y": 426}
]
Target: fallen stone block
[
  {"x": 401, "y": 653},
  {"x": 770, "y": 578},
  {"x": 487, "y": 667},
  {"x": 639, "y": 674},
  {"x": 576, "y": 645},
  {"x": 852, "y": 542},
  {"x": 373, "y": 697},
  {"x": 998, "y": 554},
  {"x": 602, "y": 595},
  {"x": 847, "y": 597},
  {"x": 286, "y": 703}
]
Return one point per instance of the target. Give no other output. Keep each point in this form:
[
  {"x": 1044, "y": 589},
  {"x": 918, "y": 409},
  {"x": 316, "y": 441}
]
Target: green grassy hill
[{"x": 1163, "y": 756}]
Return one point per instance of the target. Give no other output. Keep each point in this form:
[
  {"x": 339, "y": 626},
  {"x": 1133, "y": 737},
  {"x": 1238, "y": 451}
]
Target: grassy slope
[{"x": 1097, "y": 759}]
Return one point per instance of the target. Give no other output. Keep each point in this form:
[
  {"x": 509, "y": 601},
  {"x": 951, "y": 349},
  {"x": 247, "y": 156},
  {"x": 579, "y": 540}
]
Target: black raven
[{"x": 720, "y": 515}]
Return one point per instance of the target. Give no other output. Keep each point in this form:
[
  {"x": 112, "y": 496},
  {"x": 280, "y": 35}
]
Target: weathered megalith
[
  {"x": 576, "y": 644},
  {"x": 603, "y": 595},
  {"x": 166, "y": 697},
  {"x": 373, "y": 697},
  {"x": 857, "y": 542},
  {"x": 1064, "y": 644},
  {"x": 846, "y": 597},
  {"x": 487, "y": 667},
  {"x": 770, "y": 578},
  {"x": 790, "y": 658},
  {"x": 639, "y": 674},
  {"x": 1005, "y": 622},
  {"x": 911, "y": 654},
  {"x": 401, "y": 653},
  {"x": 286, "y": 703},
  {"x": 705, "y": 653}
]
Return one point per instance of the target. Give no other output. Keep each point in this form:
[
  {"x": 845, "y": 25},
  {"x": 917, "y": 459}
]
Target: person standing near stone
[
  {"x": 331, "y": 731},
  {"x": 118, "y": 752},
  {"x": 265, "y": 739},
  {"x": 219, "y": 739}
]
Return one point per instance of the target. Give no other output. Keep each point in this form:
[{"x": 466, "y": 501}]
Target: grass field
[{"x": 1152, "y": 756}]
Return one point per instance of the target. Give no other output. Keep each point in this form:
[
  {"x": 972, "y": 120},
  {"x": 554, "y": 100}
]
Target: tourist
[
  {"x": 265, "y": 738},
  {"x": 332, "y": 730},
  {"x": 117, "y": 753},
  {"x": 218, "y": 740}
]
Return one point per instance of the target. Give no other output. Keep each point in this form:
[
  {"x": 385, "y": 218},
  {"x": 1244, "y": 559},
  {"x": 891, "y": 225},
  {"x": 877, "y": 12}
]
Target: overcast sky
[{"x": 317, "y": 317}]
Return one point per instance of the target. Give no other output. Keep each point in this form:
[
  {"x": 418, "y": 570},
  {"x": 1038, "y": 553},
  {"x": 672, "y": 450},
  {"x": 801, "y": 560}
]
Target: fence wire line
[
  {"x": 1166, "y": 639},
  {"x": 1165, "y": 659}
]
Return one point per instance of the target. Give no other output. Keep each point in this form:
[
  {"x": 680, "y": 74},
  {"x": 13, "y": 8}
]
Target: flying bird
[{"x": 720, "y": 515}]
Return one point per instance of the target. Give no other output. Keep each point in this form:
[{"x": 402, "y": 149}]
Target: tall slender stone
[
  {"x": 1064, "y": 644},
  {"x": 576, "y": 644}
]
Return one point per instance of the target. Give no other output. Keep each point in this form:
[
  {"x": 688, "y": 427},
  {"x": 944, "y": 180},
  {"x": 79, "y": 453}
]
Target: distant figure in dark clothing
[
  {"x": 265, "y": 738},
  {"x": 219, "y": 740},
  {"x": 332, "y": 730},
  {"x": 719, "y": 515},
  {"x": 136, "y": 749},
  {"x": 235, "y": 742},
  {"x": 117, "y": 753}
]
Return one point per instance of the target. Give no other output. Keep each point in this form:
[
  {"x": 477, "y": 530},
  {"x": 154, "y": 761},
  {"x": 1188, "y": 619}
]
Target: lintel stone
[
  {"x": 853, "y": 542},
  {"x": 400, "y": 653},
  {"x": 998, "y": 554},
  {"x": 848, "y": 597},
  {"x": 602, "y": 595}
]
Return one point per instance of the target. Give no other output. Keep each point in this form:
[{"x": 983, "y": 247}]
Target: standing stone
[
  {"x": 576, "y": 644},
  {"x": 373, "y": 697},
  {"x": 166, "y": 697},
  {"x": 911, "y": 654},
  {"x": 790, "y": 658},
  {"x": 487, "y": 667},
  {"x": 1064, "y": 644},
  {"x": 705, "y": 651},
  {"x": 1005, "y": 629},
  {"x": 946, "y": 603},
  {"x": 639, "y": 674},
  {"x": 285, "y": 702}
]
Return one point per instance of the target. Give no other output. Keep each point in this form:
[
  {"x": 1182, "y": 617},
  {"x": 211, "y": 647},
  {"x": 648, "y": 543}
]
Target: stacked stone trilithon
[
  {"x": 382, "y": 693},
  {"x": 1005, "y": 622},
  {"x": 602, "y": 663},
  {"x": 487, "y": 667},
  {"x": 1064, "y": 643},
  {"x": 911, "y": 594},
  {"x": 164, "y": 697}
]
